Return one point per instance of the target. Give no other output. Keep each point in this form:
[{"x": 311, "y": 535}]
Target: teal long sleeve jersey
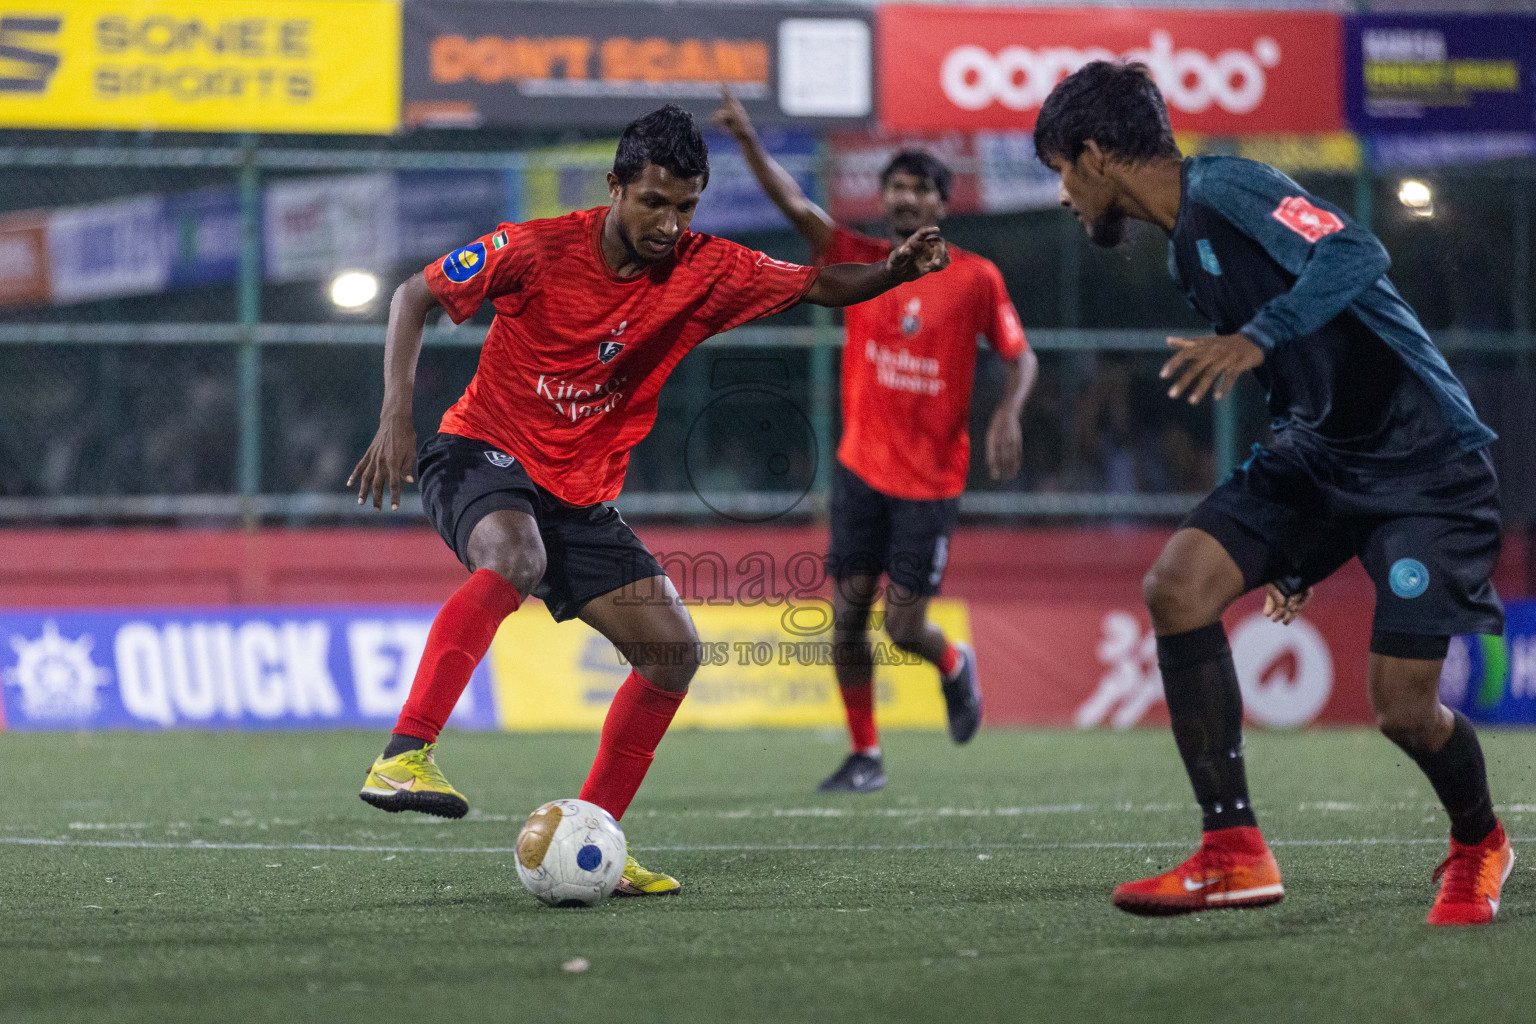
[{"x": 1353, "y": 379}]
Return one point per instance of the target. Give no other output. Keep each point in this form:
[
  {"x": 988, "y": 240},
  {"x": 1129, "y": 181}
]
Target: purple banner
[
  {"x": 1439, "y": 73},
  {"x": 219, "y": 668}
]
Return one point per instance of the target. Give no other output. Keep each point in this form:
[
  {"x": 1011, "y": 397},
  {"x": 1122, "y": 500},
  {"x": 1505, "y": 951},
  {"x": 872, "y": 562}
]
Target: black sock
[
  {"x": 399, "y": 744},
  {"x": 1460, "y": 779},
  {"x": 1206, "y": 706}
]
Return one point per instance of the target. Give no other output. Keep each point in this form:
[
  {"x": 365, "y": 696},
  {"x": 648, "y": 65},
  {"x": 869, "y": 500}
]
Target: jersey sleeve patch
[
  {"x": 1307, "y": 220},
  {"x": 462, "y": 264}
]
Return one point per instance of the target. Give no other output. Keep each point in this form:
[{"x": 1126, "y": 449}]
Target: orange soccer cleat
[
  {"x": 1233, "y": 869},
  {"x": 1471, "y": 878}
]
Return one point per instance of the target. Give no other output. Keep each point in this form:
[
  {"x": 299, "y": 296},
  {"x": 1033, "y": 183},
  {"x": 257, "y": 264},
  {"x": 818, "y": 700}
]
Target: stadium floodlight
[
  {"x": 353, "y": 290},
  {"x": 1416, "y": 197}
]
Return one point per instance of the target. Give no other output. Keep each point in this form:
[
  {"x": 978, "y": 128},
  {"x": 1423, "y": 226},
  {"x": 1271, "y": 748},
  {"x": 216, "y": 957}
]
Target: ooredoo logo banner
[{"x": 1222, "y": 72}]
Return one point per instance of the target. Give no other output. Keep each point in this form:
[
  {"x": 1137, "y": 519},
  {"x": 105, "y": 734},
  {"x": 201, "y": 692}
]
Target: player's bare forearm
[
  {"x": 1005, "y": 437},
  {"x": 391, "y": 457},
  {"x": 810, "y": 220},
  {"x": 848, "y": 284},
  {"x": 1018, "y": 384},
  {"x": 408, "y": 310}
]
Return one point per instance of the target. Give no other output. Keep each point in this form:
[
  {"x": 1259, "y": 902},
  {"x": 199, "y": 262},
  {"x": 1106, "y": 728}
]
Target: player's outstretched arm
[
  {"x": 391, "y": 458},
  {"x": 1005, "y": 437},
  {"x": 809, "y": 219},
  {"x": 848, "y": 284}
]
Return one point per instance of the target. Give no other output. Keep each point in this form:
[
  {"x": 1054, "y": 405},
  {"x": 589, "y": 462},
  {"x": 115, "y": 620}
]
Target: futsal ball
[{"x": 570, "y": 853}]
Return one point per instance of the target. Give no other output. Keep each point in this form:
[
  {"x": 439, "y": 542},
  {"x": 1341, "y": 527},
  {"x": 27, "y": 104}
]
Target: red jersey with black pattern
[
  {"x": 576, "y": 356},
  {"x": 908, "y": 361}
]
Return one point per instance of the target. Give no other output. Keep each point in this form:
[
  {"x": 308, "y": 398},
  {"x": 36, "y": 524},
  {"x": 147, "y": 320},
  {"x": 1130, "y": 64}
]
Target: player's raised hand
[
  {"x": 732, "y": 116},
  {"x": 390, "y": 459},
  {"x": 1282, "y": 609},
  {"x": 1005, "y": 446},
  {"x": 1209, "y": 363},
  {"x": 923, "y": 253}
]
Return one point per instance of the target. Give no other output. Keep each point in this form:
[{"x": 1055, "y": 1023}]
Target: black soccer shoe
[
  {"x": 860, "y": 773},
  {"x": 962, "y": 697}
]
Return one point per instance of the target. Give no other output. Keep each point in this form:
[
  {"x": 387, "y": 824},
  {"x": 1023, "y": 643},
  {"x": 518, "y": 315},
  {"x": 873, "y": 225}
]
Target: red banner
[
  {"x": 1222, "y": 72},
  {"x": 1099, "y": 669}
]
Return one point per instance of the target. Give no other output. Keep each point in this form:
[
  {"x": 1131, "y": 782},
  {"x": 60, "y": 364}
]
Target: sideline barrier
[{"x": 313, "y": 629}]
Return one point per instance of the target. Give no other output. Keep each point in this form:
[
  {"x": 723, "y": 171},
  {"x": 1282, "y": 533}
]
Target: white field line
[
  {"x": 243, "y": 820},
  {"x": 697, "y": 848}
]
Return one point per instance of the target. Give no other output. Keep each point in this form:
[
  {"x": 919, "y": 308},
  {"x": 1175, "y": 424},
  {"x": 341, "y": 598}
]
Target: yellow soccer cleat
[
  {"x": 412, "y": 781},
  {"x": 637, "y": 881}
]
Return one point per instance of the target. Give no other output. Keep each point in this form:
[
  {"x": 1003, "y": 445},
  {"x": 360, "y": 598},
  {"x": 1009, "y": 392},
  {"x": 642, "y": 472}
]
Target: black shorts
[
  {"x": 589, "y": 549},
  {"x": 874, "y": 533},
  {"x": 1429, "y": 541}
]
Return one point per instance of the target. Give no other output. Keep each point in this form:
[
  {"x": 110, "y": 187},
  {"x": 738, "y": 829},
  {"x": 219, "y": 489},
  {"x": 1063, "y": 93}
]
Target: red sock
[
  {"x": 859, "y": 705},
  {"x": 637, "y": 720},
  {"x": 460, "y": 636},
  {"x": 949, "y": 660},
  {"x": 1244, "y": 839}
]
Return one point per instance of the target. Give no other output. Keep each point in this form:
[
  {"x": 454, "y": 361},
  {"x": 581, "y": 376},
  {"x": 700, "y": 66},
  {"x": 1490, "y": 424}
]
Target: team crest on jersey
[
  {"x": 911, "y": 322},
  {"x": 499, "y": 459},
  {"x": 607, "y": 350},
  {"x": 462, "y": 264},
  {"x": 1308, "y": 221},
  {"x": 1208, "y": 258}
]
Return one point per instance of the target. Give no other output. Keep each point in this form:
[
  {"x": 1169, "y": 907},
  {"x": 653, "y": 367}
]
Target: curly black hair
[
  {"x": 668, "y": 138},
  {"x": 923, "y": 165},
  {"x": 1116, "y": 105}
]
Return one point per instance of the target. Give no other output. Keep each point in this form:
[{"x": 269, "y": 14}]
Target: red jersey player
[
  {"x": 593, "y": 310},
  {"x": 908, "y": 361}
]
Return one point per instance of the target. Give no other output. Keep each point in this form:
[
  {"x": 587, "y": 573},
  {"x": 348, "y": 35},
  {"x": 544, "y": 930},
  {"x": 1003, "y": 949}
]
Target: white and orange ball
[{"x": 570, "y": 853}]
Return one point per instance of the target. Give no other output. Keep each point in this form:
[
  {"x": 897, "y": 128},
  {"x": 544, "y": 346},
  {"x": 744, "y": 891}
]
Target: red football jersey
[
  {"x": 908, "y": 361},
  {"x": 574, "y": 361}
]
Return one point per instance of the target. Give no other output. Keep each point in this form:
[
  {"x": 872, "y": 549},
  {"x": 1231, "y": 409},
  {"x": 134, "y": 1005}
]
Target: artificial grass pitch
[{"x": 238, "y": 877}]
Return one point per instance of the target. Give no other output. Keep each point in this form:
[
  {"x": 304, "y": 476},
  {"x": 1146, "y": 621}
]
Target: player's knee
[
  {"x": 1414, "y": 729},
  {"x": 1175, "y": 599},
  {"x": 905, "y": 631},
  {"x": 675, "y": 672},
  {"x": 520, "y": 566},
  {"x": 671, "y": 663}
]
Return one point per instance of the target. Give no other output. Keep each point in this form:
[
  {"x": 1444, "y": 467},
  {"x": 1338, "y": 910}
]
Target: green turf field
[{"x": 238, "y": 877}]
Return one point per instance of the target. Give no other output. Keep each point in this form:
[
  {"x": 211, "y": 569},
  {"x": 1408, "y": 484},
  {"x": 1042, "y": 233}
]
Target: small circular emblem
[
  {"x": 589, "y": 857},
  {"x": 1409, "y": 578}
]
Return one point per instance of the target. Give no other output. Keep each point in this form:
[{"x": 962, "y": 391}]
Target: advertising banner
[
  {"x": 202, "y": 236},
  {"x": 564, "y": 63},
  {"x": 23, "y": 258},
  {"x": 107, "y": 249},
  {"x": 1093, "y": 664},
  {"x": 1440, "y": 73},
  {"x": 219, "y": 668},
  {"x": 761, "y": 665},
  {"x": 202, "y": 65},
  {"x": 316, "y": 226},
  {"x": 438, "y": 211},
  {"x": 1222, "y": 72},
  {"x": 734, "y": 200},
  {"x": 348, "y": 667},
  {"x": 1493, "y": 679}
]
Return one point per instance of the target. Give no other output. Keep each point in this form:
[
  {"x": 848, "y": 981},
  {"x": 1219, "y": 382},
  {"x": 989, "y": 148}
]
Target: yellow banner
[
  {"x": 202, "y": 65},
  {"x": 1331, "y": 152},
  {"x": 565, "y": 178},
  {"x": 760, "y": 670}
]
